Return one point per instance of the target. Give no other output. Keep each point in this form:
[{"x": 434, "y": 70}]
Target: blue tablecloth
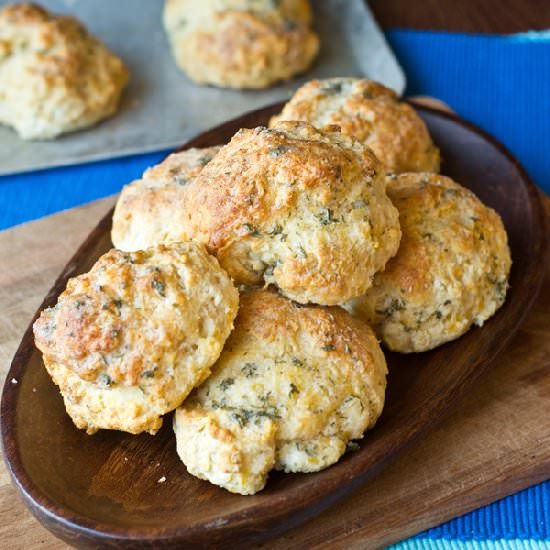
[{"x": 501, "y": 84}]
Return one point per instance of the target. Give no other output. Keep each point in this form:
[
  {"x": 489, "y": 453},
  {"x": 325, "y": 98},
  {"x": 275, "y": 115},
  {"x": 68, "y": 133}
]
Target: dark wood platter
[{"x": 104, "y": 490}]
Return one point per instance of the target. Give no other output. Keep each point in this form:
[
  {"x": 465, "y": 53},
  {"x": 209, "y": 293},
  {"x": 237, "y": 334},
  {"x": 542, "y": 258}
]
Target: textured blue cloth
[
  {"x": 501, "y": 84},
  {"x": 525, "y": 515},
  {"x": 449, "y": 544},
  {"x": 29, "y": 196}
]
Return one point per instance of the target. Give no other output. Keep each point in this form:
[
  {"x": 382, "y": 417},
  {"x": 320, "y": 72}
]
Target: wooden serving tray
[
  {"x": 529, "y": 281},
  {"x": 495, "y": 443}
]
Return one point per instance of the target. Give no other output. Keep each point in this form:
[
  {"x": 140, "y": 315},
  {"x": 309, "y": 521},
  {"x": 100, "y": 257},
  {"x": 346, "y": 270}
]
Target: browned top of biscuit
[
  {"x": 372, "y": 114},
  {"x": 302, "y": 208}
]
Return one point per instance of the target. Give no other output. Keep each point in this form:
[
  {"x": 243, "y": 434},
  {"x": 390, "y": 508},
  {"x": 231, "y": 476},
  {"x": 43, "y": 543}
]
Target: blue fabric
[
  {"x": 525, "y": 515},
  {"x": 29, "y": 196},
  {"x": 444, "y": 544},
  {"x": 501, "y": 84}
]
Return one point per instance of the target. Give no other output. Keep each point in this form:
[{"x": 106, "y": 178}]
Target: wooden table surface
[{"x": 395, "y": 505}]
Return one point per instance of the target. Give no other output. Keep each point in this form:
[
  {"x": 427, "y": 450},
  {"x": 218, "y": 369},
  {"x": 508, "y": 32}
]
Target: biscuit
[
  {"x": 303, "y": 209},
  {"x": 54, "y": 76},
  {"x": 149, "y": 210},
  {"x": 241, "y": 43},
  {"x": 373, "y": 115},
  {"x": 292, "y": 387},
  {"x": 129, "y": 340},
  {"x": 451, "y": 270}
]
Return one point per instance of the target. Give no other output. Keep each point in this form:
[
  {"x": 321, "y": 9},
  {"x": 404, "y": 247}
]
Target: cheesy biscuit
[
  {"x": 451, "y": 269},
  {"x": 149, "y": 210},
  {"x": 241, "y": 43},
  {"x": 303, "y": 209},
  {"x": 127, "y": 341},
  {"x": 292, "y": 387},
  {"x": 54, "y": 76},
  {"x": 371, "y": 113}
]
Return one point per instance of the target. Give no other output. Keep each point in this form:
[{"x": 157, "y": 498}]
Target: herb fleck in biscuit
[
  {"x": 373, "y": 115},
  {"x": 129, "y": 340},
  {"x": 300, "y": 208},
  {"x": 292, "y": 387},
  {"x": 149, "y": 210},
  {"x": 241, "y": 43},
  {"x": 54, "y": 76},
  {"x": 451, "y": 270}
]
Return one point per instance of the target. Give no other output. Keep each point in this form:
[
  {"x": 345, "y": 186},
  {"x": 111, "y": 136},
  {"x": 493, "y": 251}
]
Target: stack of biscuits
[{"x": 251, "y": 284}]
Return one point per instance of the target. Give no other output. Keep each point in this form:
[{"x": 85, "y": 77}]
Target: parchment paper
[{"x": 161, "y": 108}]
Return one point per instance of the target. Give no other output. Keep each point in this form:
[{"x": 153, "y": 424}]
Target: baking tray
[{"x": 161, "y": 108}]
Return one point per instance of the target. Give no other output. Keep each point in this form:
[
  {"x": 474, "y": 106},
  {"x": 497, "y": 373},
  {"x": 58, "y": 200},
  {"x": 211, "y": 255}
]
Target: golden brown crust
[
  {"x": 241, "y": 43},
  {"x": 293, "y": 385},
  {"x": 303, "y": 209},
  {"x": 451, "y": 269},
  {"x": 150, "y": 210},
  {"x": 179, "y": 168},
  {"x": 54, "y": 76},
  {"x": 148, "y": 323},
  {"x": 373, "y": 115}
]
